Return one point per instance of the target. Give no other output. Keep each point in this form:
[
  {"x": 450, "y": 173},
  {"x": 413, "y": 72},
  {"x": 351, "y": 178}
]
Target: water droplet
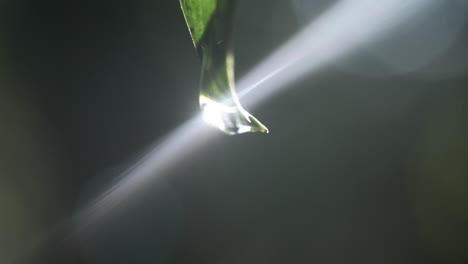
[{"x": 231, "y": 120}]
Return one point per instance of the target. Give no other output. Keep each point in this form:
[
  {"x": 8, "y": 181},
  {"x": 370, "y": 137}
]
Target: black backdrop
[{"x": 356, "y": 169}]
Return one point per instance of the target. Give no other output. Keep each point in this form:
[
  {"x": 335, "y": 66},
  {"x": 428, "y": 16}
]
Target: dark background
[{"x": 365, "y": 163}]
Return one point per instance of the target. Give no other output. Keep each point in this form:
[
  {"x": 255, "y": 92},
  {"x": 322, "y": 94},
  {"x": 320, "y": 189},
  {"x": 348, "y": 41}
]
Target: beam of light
[{"x": 346, "y": 26}]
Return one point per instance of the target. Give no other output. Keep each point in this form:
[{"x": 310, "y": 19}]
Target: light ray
[
  {"x": 343, "y": 28},
  {"x": 346, "y": 26}
]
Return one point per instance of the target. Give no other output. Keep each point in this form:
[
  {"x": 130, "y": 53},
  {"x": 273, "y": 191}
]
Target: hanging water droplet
[
  {"x": 210, "y": 25},
  {"x": 218, "y": 99},
  {"x": 231, "y": 120}
]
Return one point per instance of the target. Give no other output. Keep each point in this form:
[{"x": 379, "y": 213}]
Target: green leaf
[
  {"x": 197, "y": 15},
  {"x": 210, "y": 25}
]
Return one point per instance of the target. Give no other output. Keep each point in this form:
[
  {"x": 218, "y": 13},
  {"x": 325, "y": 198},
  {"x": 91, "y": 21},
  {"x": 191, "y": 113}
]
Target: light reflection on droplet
[{"x": 231, "y": 120}]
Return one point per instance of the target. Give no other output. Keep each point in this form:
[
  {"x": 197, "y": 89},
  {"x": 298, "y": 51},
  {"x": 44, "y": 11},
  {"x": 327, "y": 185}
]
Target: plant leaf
[
  {"x": 197, "y": 15},
  {"x": 210, "y": 25}
]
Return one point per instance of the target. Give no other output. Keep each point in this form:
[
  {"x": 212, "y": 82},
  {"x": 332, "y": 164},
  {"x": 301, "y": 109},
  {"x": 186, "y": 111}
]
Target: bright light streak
[
  {"x": 348, "y": 25},
  {"x": 180, "y": 143}
]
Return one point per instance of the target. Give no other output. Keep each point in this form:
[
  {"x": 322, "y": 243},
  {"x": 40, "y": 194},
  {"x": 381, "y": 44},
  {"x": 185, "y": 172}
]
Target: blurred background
[{"x": 366, "y": 161}]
